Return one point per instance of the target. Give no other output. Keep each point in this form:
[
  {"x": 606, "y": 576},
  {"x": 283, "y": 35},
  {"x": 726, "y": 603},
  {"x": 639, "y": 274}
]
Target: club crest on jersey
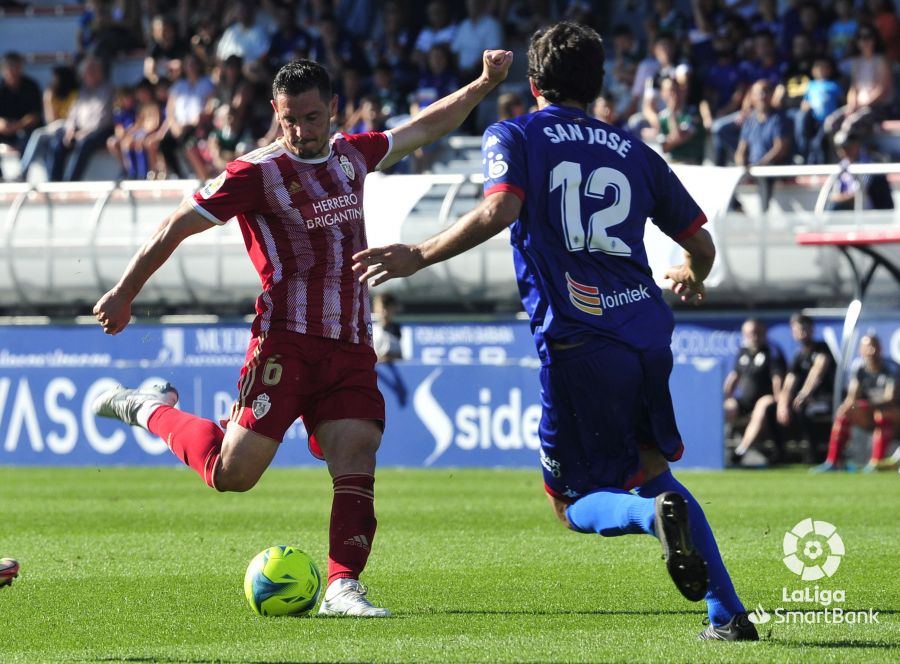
[
  {"x": 294, "y": 187},
  {"x": 347, "y": 167},
  {"x": 261, "y": 405}
]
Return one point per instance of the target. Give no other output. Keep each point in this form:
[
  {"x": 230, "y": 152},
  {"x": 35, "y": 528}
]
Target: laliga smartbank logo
[{"x": 813, "y": 550}]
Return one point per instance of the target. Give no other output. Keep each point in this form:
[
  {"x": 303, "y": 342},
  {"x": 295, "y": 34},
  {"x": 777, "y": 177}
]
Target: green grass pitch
[{"x": 146, "y": 565}]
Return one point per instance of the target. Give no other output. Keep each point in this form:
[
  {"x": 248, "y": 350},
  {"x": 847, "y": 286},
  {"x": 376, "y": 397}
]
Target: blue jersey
[{"x": 587, "y": 190}]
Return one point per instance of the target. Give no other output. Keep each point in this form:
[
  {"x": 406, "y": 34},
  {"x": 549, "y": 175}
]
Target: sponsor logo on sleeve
[
  {"x": 496, "y": 166},
  {"x": 213, "y": 186}
]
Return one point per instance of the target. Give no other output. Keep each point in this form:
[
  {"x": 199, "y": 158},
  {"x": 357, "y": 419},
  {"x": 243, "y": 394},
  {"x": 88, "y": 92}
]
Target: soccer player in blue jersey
[{"x": 576, "y": 194}]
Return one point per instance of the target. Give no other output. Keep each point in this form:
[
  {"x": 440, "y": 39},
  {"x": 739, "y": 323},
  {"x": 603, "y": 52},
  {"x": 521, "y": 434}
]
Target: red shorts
[{"x": 289, "y": 375}]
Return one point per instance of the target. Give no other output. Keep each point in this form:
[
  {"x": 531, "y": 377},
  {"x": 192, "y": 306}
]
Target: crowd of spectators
[{"x": 720, "y": 81}]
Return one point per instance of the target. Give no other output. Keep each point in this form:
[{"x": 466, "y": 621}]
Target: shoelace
[{"x": 361, "y": 591}]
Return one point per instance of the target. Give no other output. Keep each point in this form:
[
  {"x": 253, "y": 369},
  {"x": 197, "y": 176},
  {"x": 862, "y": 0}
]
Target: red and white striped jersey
[{"x": 302, "y": 221}]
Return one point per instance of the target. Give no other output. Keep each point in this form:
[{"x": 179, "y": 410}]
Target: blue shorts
[{"x": 601, "y": 403}]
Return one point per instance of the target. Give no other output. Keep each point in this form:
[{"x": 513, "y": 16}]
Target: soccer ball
[{"x": 282, "y": 581}]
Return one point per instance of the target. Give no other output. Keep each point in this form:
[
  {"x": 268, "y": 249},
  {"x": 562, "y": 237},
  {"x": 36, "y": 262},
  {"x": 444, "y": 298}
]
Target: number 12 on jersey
[{"x": 605, "y": 184}]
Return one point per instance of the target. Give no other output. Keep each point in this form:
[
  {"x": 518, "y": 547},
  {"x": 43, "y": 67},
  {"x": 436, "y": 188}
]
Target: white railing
[{"x": 64, "y": 244}]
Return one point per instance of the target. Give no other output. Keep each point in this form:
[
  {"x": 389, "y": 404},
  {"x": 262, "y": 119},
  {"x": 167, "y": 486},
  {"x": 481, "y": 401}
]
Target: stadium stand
[
  {"x": 760, "y": 259},
  {"x": 65, "y": 243},
  {"x": 699, "y": 32}
]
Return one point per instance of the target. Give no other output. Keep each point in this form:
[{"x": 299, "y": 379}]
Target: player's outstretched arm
[
  {"x": 448, "y": 113},
  {"x": 687, "y": 278},
  {"x": 113, "y": 310},
  {"x": 492, "y": 215}
]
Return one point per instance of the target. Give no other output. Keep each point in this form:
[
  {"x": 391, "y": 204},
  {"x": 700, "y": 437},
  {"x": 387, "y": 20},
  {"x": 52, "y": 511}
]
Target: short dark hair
[
  {"x": 565, "y": 61},
  {"x": 13, "y": 57},
  {"x": 801, "y": 319},
  {"x": 387, "y": 300},
  {"x": 298, "y": 76}
]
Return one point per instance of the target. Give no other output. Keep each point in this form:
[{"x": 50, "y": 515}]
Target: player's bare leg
[
  {"x": 349, "y": 448},
  {"x": 732, "y": 409},
  {"x": 230, "y": 462},
  {"x": 756, "y": 425},
  {"x": 244, "y": 458},
  {"x": 559, "y": 510}
]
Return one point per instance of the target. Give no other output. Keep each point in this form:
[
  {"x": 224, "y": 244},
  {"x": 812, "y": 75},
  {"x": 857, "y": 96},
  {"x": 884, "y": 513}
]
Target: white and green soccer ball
[{"x": 282, "y": 581}]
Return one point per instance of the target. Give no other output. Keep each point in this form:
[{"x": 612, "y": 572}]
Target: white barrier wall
[{"x": 65, "y": 244}]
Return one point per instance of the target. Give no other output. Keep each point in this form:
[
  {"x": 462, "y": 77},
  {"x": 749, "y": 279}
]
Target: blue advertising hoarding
[{"x": 468, "y": 396}]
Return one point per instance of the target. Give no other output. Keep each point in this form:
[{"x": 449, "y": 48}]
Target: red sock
[
  {"x": 883, "y": 430},
  {"x": 197, "y": 442},
  {"x": 352, "y": 526},
  {"x": 840, "y": 434}
]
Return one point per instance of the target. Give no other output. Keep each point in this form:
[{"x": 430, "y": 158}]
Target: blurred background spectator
[
  {"x": 391, "y": 45},
  {"x": 476, "y": 33},
  {"x": 438, "y": 80},
  {"x": 186, "y": 115},
  {"x": 874, "y": 189},
  {"x": 791, "y": 90},
  {"x": 59, "y": 97},
  {"x": 20, "y": 103},
  {"x": 510, "y": 105},
  {"x": 765, "y": 136},
  {"x": 715, "y": 49},
  {"x": 128, "y": 147},
  {"x": 88, "y": 124},
  {"x": 124, "y": 116},
  {"x": 821, "y": 99},
  {"x": 289, "y": 41},
  {"x": 604, "y": 108},
  {"x": 753, "y": 386},
  {"x": 164, "y": 47},
  {"x": 243, "y": 37},
  {"x": 806, "y": 396},
  {"x": 440, "y": 29},
  {"x": 645, "y": 87},
  {"x": 108, "y": 28},
  {"x": 234, "y": 91},
  {"x": 883, "y": 16},
  {"x": 871, "y": 89},
  {"x": 224, "y": 138},
  {"x": 386, "y": 331},
  {"x": 677, "y": 128},
  {"x": 842, "y": 30}
]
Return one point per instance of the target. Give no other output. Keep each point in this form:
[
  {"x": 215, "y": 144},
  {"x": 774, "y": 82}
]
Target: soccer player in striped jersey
[
  {"x": 299, "y": 204},
  {"x": 576, "y": 194}
]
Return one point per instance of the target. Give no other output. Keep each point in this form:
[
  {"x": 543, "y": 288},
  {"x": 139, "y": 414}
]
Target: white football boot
[
  {"x": 125, "y": 404},
  {"x": 347, "y": 597}
]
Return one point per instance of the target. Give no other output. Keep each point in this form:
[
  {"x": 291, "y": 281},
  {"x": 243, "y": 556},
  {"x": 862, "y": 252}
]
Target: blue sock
[
  {"x": 612, "y": 512},
  {"x": 722, "y": 601}
]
